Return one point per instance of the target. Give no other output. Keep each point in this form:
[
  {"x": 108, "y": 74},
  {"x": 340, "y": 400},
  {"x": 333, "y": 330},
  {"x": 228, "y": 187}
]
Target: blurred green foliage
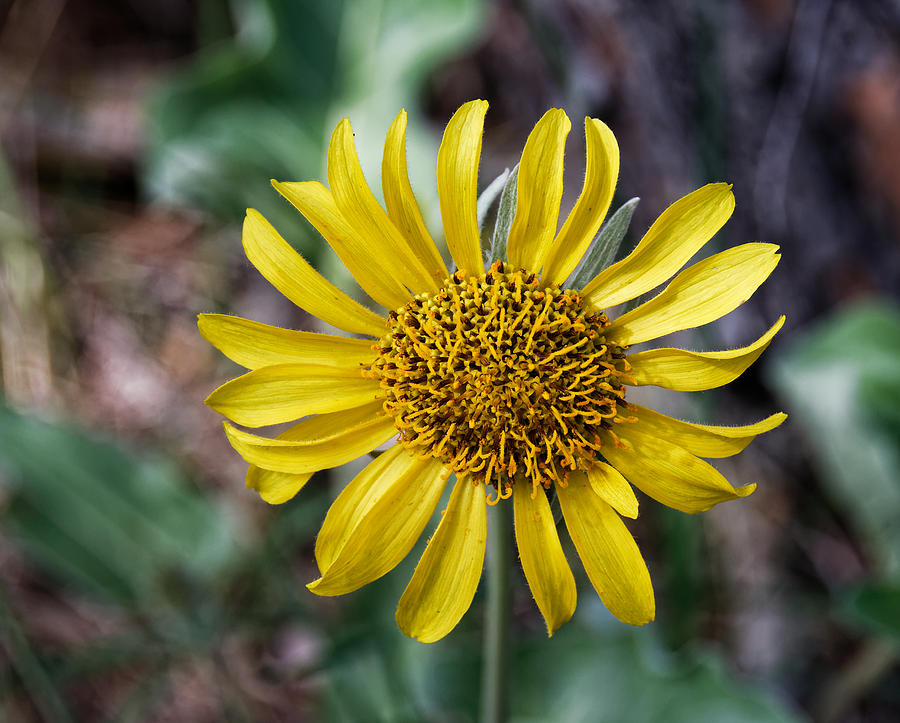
[
  {"x": 132, "y": 532},
  {"x": 262, "y": 104},
  {"x": 876, "y": 608},
  {"x": 106, "y": 521},
  {"x": 593, "y": 669},
  {"x": 842, "y": 383}
]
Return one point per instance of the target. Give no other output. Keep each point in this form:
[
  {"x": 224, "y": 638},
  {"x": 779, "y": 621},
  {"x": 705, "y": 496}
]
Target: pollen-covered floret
[{"x": 502, "y": 378}]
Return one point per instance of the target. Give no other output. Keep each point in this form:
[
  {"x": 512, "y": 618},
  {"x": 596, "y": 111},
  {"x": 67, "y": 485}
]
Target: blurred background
[{"x": 140, "y": 580}]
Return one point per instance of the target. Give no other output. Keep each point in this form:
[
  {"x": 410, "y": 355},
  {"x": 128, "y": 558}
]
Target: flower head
[{"x": 502, "y": 376}]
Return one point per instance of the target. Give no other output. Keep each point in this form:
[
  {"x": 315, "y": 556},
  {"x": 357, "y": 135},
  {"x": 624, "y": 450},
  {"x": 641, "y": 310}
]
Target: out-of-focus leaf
[
  {"x": 838, "y": 382},
  {"x": 29, "y": 668},
  {"x": 263, "y": 104},
  {"x": 881, "y": 395},
  {"x": 598, "y": 670},
  {"x": 876, "y": 608},
  {"x": 609, "y": 672},
  {"x": 117, "y": 525},
  {"x": 684, "y": 583}
]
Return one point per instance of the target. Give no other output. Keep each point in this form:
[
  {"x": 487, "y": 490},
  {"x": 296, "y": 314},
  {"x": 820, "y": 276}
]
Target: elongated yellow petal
[
  {"x": 320, "y": 442},
  {"x": 543, "y": 561},
  {"x": 538, "y": 192},
  {"x": 254, "y": 345},
  {"x": 364, "y": 262},
  {"x": 283, "y": 392},
  {"x": 354, "y": 502},
  {"x": 446, "y": 578},
  {"x": 288, "y": 272},
  {"x": 704, "y": 440},
  {"x": 608, "y": 552},
  {"x": 457, "y": 184},
  {"x": 601, "y": 174},
  {"x": 276, "y": 487},
  {"x": 362, "y": 211},
  {"x": 401, "y": 203},
  {"x": 613, "y": 489},
  {"x": 669, "y": 473},
  {"x": 701, "y": 293},
  {"x": 681, "y": 230},
  {"x": 389, "y": 528},
  {"x": 693, "y": 371}
]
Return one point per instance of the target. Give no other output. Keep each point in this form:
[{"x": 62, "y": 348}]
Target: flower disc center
[{"x": 502, "y": 379}]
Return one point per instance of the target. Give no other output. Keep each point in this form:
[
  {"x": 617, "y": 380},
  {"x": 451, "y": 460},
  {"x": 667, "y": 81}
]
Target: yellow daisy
[{"x": 502, "y": 376}]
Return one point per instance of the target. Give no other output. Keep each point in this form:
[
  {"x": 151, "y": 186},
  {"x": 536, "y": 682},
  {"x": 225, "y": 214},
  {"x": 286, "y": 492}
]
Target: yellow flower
[{"x": 500, "y": 376}]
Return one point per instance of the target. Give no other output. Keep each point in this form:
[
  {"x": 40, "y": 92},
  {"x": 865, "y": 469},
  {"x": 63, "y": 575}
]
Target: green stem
[{"x": 494, "y": 681}]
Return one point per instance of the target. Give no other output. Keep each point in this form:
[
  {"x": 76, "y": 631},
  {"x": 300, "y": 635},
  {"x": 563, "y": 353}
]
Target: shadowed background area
[{"x": 140, "y": 580}]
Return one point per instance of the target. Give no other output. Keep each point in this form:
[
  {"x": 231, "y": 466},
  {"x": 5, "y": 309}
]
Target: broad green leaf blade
[
  {"x": 602, "y": 251},
  {"x": 114, "y": 524},
  {"x": 262, "y": 104},
  {"x": 835, "y": 381},
  {"x": 876, "y": 608},
  {"x": 627, "y": 675}
]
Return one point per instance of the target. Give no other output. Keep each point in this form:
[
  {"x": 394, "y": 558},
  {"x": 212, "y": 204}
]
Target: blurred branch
[
  {"x": 770, "y": 191},
  {"x": 23, "y": 38},
  {"x": 34, "y": 678},
  {"x": 25, "y": 367},
  {"x": 839, "y": 694}
]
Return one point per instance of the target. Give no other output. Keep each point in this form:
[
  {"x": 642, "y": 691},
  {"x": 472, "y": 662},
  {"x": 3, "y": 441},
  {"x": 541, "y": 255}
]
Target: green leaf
[
  {"x": 876, "y": 608},
  {"x": 506, "y": 212},
  {"x": 263, "y": 104},
  {"x": 604, "y": 671},
  {"x": 602, "y": 251},
  {"x": 25, "y": 662},
  {"x": 487, "y": 198},
  {"x": 839, "y": 381},
  {"x": 126, "y": 528}
]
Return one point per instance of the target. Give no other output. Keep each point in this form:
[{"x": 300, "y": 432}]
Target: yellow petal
[
  {"x": 288, "y": 272},
  {"x": 401, "y": 201},
  {"x": 256, "y": 345},
  {"x": 704, "y": 440},
  {"x": 407, "y": 493},
  {"x": 543, "y": 561},
  {"x": 608, "y": 552},
  {"x": 446, "y": 578},
  {"x": 284, "y": 392},
  {"x": 363, "y": 261},
  {"x": 692, "y": 371},
  {"x": 701, "y": 293},
  {"x": 320, "y": 442},
  {"x": 276, "y": 487},
  {"x": 601, "y": 174},
  {"x": 355, "y": 500},
  {"x": 457, "y": 184},
  {"x": 538, "y": 192},
  {"x": 670, "y": 474},
  {"x": 681, "y": 230},
  {"x": 357, "y": 204},
  {"x": 613, "y": 489}
]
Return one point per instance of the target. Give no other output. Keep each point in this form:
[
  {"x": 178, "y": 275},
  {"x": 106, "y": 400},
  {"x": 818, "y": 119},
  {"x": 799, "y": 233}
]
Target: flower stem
[{"x": 494, "y": 681}]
